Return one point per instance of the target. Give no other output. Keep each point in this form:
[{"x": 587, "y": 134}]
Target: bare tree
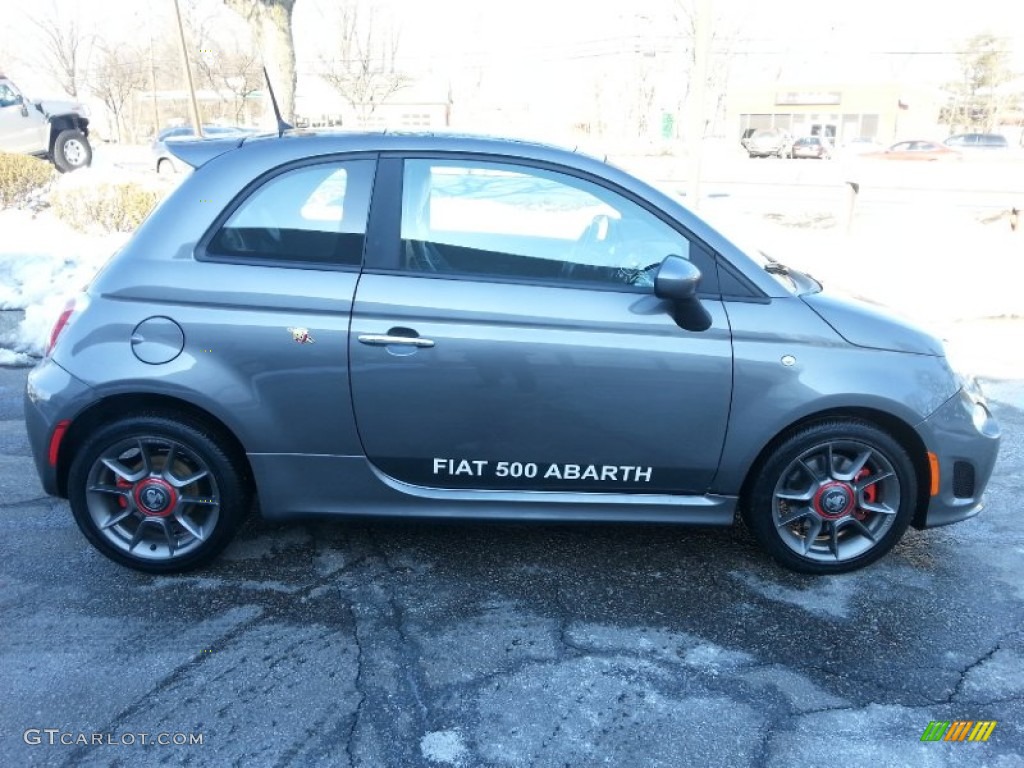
[
  {"x": 271, "y": 25},
  {"x": 242, "y": 75},
  {"x": 364, "y": 70},
  {"x": 233, "y": 70},
  {"x": 64, "y": 49},
  {"x": 119, "y": 75},
  {"x": 978, "y": 97},
  {"x": 724, "y": 34}
]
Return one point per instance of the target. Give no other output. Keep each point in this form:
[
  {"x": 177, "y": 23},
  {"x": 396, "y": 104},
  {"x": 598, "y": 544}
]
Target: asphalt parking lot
[{"x": 383, "y": 644}]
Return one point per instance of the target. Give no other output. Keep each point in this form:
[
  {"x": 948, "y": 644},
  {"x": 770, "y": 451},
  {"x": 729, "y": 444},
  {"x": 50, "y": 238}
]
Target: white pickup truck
[{"x": 56, "y": 130}]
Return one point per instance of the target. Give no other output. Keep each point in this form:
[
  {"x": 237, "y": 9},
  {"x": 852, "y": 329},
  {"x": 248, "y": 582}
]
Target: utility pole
[
  {"x": 197, "y": 124},
  {"x": 152, "y": 82},
  {"x": 698, "y": 98}
]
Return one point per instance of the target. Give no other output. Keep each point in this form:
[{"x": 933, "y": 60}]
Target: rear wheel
[
  {"x": 157, "y": 494},
  {"x": 832, "y": 498}
]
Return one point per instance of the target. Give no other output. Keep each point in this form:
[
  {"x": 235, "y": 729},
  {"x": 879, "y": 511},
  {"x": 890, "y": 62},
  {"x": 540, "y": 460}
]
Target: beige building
[{"x": 885, "y": 112}]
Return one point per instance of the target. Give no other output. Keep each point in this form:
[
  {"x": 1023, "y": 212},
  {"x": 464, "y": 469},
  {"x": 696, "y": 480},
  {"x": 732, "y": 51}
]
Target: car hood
[
  {"x": 59, "y": 107},
  {"x": 866, "y": 324}
]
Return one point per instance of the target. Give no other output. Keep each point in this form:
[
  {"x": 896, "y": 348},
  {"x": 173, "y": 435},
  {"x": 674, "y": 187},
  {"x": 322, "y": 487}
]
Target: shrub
[
  {"x": 109, "y": 207},
  {"x": 22, "y": 179}
]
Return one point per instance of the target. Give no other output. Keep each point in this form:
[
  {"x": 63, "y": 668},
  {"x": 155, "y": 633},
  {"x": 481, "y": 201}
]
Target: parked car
[
  {"x": 916, "y": 150},
  {"x": 977, "y": 141},
  {"x": 769, "y": 143},
  {"x": 164, "y": 159},
  {"x": 55, "y": 130},
  {"x": 420, "y": 325},
  {"x": 812, "y": 146}
]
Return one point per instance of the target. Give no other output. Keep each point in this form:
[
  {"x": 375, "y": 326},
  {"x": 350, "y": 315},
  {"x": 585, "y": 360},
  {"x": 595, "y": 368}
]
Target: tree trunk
[
  {"x": 271, "y": 25},
  {"x": 275, "y": 40}
]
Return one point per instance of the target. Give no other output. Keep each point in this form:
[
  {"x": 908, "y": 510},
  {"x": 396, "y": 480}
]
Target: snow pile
[
  {"x": 7, "y": 357},
  {"x": 42, "y": 263}
]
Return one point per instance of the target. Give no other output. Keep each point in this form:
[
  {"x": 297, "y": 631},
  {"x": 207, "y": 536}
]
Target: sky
[
  {"x": 473, "y": 31},
  {"x": 536, "y": 52}
]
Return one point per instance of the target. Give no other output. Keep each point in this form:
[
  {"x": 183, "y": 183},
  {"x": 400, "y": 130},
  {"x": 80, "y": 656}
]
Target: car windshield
[{"x": 737, "y": 233}]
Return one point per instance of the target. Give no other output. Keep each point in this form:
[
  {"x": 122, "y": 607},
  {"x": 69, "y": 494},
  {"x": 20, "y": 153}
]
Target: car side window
[
  {"x": 501, "y": 220},
  {"x": 8, "y": 98},
  {"x": 314, "y": 214}
]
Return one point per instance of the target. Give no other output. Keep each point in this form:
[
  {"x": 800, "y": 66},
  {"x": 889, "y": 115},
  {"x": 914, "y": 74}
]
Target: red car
[{"x": 916, "y": 150}]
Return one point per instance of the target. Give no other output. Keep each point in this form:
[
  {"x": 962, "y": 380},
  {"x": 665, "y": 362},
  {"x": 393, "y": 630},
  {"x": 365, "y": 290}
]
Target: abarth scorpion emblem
[{"x": 301, "y": 335}]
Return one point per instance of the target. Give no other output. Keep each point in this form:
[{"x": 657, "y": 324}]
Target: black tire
[
  {"x": 71, "y": 151},
  {"x": 195, "y": 506},
  {"x": 164, "y": 165},
  {"x": 817, "y": 520}
]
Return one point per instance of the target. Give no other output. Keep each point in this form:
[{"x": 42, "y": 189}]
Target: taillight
[{"x": 60, "y": 325}]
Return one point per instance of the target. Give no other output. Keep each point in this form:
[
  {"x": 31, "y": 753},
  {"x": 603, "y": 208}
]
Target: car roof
[{"x": 303, "y": 143}]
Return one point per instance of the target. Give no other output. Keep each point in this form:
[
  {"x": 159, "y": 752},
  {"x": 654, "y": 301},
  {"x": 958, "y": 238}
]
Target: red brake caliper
[
  {"x": 870, "y": 494},
  {"x": 122, "y": 483}
]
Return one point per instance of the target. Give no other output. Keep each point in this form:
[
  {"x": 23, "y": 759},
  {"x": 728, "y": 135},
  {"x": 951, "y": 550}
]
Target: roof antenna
[{"x": 282, "y": 126}]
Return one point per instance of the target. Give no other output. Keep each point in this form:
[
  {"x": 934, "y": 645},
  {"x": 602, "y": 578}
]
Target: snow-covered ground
[
  {"x": 43, "y": 262},
  {"x": 939, "y": 264}
]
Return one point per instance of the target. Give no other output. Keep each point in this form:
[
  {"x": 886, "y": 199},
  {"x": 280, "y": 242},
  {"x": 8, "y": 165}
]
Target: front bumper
[
  {"x": 964, "y": 437},
  {"x": 51, "y": 396}
]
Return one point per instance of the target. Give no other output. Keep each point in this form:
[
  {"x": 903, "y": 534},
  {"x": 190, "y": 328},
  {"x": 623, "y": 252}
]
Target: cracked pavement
[{"x": 451, "y": 644}]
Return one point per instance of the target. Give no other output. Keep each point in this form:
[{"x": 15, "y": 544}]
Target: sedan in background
[
  {"x": 916, "y": 150},
  {"x": 165, "y": 161},
  {"x": 811, "y": 146},
  {"x": 987, "y": 142}
]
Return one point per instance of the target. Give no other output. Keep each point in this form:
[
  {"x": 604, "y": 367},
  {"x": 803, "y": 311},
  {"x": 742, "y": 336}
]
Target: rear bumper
[
  {"x": 964, "y": 436},
  {"x": 51, "y": 395}
]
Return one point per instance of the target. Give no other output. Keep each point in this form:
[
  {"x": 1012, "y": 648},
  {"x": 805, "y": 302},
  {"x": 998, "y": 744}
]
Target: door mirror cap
[{"x": 676, "y": 279}]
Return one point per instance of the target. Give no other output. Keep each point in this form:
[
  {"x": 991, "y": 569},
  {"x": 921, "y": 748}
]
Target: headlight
[
  {"x": 962, "y": 371},
  {"x": 980, "y": 416}
]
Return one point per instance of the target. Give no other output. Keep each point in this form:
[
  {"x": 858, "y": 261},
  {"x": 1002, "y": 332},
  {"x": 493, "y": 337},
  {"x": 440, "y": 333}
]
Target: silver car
[{"x": 464, "y": 327}]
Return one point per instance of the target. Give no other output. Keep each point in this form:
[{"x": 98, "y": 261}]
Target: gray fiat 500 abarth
[{"x": 467, "y": 327}]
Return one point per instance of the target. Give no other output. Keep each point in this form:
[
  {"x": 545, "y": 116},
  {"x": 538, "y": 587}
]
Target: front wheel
[
  {"x": 832, "y": 497},
  {"x": 71, "y": 151},
  {"x": 157, "y": 494}
]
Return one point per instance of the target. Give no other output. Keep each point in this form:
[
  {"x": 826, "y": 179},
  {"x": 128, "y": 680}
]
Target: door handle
[{"x": 383, "y": 340}]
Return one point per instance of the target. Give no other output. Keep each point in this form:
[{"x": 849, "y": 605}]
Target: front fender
[{"x": 790, "y": 365}]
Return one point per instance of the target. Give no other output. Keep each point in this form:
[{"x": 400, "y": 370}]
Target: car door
[
  {"x": 279, "y": 271},
  {"x": 18, "y": 132},
  {"x": 508, "y": 337}
]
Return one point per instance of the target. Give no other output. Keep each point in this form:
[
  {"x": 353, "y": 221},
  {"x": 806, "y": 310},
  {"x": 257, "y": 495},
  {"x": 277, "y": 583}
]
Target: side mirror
[{"x": 677, "y": 280}]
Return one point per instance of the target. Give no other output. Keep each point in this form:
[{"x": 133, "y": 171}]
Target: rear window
[
  {"x": 992, "y": 140},
  {"x": 314, "y": 215}
]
